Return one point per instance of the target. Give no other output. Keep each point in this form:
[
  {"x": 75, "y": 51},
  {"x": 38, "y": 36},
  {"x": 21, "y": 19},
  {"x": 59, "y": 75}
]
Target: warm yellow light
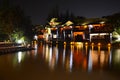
[
  {"x": 92, "y": 44},
  {"x": 86, "y": 43},
  {"x": 85, "y": 26},
  {"x": 64, "y": 43},
  {"x": 71, "y": 42},
  {"x": 79, "y": 43},
  {"x": 109, "y": 44},
  {"x": 68, "y": 23},
  {"x": 49, "y": 31},
  {"x": 99, "y": 44}
]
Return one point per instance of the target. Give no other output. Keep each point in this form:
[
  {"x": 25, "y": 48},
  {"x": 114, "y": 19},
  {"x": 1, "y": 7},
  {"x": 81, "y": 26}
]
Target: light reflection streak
[
  {"x": 63, "y": 56},
  {"x": 110, "y": 55},
  {"x": 50, "y": 56},
  {"x": 102, "y": 58},
  {"x": 90, "y": 62},
  {"x": 19, "y": 57},
  {"x": 51, "y": 60},
  {"x": 46, "y": 53},
  {"x": 36, "y": 49},
  {"x": 43, "y": 51},
  {"x": 71, "y": 61},
  {"x": 110, "y": 59},
  {"x": 56, "y": 53},
  {"x": 94, "y": 57},
  {"x": 86, "y": 48}
]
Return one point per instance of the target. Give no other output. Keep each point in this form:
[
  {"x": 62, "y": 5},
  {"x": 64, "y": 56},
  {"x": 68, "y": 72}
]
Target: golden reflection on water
[{"x": 77, "y": 56}]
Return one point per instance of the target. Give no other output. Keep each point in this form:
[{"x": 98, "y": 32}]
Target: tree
[
  {"x": 13, "y": 19},
  {"x": 114, "y": 21},
  {"x": 6, "y": 24}
]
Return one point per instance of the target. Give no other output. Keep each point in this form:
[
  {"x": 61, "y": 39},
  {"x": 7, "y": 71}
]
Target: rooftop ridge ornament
[
  {"x": 68, "y": 23},
  {"x": 53, "y": 22}
]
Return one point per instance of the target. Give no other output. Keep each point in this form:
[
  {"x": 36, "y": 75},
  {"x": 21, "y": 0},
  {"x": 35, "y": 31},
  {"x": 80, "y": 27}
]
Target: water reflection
[
  {"x": 116, "y": 58},
  {"x": 19, "y": 57},
  {"x": 78, "y": 56}
]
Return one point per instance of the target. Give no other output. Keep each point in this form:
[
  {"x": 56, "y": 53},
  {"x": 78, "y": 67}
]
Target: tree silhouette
[
  {"x": 64, "y": 17},
  {"x": 113, "y": 22},
  {"x": 13, "y": 19}
]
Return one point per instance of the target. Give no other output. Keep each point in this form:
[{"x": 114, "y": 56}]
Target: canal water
[{"x": 65, "y": 62}]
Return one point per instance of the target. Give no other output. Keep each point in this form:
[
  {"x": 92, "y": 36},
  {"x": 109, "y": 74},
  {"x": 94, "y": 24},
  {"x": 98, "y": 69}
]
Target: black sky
[{"x": 39, "y": 9}]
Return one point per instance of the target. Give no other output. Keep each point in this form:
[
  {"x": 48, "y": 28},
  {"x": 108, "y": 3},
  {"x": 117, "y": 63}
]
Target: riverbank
[
  {"x": 4, "y": 50},
  {"x": 11, "y": 48}
]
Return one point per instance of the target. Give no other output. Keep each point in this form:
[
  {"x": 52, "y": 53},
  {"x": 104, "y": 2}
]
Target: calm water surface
[{"x": 67, "y": 62}]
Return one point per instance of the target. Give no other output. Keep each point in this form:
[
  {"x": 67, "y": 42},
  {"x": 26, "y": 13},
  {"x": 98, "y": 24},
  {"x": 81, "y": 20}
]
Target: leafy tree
[
  {"x": 6, "y": 22},
  {"x": 114, "y": 22},
  {"x": 13, "y": 20}
]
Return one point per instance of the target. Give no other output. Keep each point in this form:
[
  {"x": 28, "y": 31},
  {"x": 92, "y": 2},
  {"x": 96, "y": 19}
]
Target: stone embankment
[
  {"x": 13, "y": 49},
  {"x": 10, "y": 48}
]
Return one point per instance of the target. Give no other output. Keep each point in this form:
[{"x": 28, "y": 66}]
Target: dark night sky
[{"x": 39, "y": 9}]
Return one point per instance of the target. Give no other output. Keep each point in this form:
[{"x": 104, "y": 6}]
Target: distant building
[{"x": 92, "y": 32}]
